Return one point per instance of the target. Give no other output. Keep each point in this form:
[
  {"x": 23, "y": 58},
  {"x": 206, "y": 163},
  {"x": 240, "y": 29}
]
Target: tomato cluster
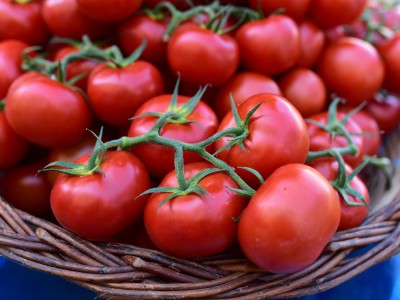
[{"x": 214, "y": 125}]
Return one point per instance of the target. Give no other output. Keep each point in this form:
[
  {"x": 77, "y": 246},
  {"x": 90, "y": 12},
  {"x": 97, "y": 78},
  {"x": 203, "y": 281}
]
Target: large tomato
[
  {"x": 385, "y": 109},
  {"x": 58, "y": 115},
  {"x": 195, "y": 225},
  {"x": 312, "y": 42},
  {"x": 289, "y": 220},
  {"x": 158, "y": 159},
  {"x": 277, "y": 135},
  {"x": 98, "y": 206},
  {"x": 345, "y": 67}
]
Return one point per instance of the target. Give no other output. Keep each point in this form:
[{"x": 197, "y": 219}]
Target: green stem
[{"x": 2, "y": 104}]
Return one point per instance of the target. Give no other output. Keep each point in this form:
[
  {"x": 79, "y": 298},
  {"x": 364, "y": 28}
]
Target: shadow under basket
[{"x": 127, "y": 272}]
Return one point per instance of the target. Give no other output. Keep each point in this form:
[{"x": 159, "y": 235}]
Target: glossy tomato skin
[
  {"x": 23, "y": 21},
  {"x": 214, "y": 58},
  {"x": 159, "y": 160},
  {"x": 98, "y": 206},
  {"x": 27, "y": 190},
  {"x": 305, "y": 90},
  {"x": 312, "y": 43},
  {"x": 295, "y": 9},
  {"x": 12, "y": 146},
  {"x": 269, "y": 46},
  {"x": 350, "y": 216},
  {"x": 322, "y": 140},
  {"x": 191, "y": 225},
  {"x": 108, "y": 11},
  {"x": 345, "y": 67},
  {"x": 389, "y": 50},
  {"x": 116, "y": 93},
  {"x": 242, "y": 86},
  {"x": 58, "y": 115},
  {"x": 133, "y": 31},
  {"x": 385, "y": 109},
  {"x": 277, "y": 136},
  {"x": 289, "y": 220},
  {"x": 10, "y": 63}
]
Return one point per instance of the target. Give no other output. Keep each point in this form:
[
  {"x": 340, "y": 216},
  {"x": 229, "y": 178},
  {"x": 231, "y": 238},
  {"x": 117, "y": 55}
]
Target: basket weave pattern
[{"x": 119, "y": 270}]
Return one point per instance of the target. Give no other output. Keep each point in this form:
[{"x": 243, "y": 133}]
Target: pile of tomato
[{"x": 197, "y": 127}]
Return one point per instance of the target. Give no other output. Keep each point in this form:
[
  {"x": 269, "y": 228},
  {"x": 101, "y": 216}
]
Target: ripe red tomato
[
  {"x": 242, "y": 86},
  {"x": 295, "y": 9},
  {"x": 305, "y": 90},
  {"x": 289, "y": 220},
  {"x": 214, "y": 58},
  {"x": 22, "y": 20},
  {"x": 269, "y": 46},
  {"x": 58, "y": 115},
  {"x": 12, "y": 147},
  {"x": 345, "y": 67},
  {"x": 108, "y": 11},
  {"x": 389, "y": 50},
  {"x": 193, "y": 225},
  {"x": 117, "y": 92},
  {"x": 10, "y": 63},
  {"x": 98, "y": 206},
  {"x": 277, "y": 135},
  {"x": 312, "y": 42},
  {"x": 350, "y": 216},
  {"x": 385, "y": 109},
  {"x": 159, "y": 160}
]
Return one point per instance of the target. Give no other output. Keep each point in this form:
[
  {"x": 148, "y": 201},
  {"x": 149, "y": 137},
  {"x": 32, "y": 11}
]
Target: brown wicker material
[{"x": 117, "y": 270}]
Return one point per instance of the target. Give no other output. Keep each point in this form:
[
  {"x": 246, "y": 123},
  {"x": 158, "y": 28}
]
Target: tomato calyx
[
  {"x": 2, "y": 104},
  {"x": 21, "y": 1}
]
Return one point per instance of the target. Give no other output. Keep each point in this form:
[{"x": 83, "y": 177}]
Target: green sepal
[
  {"x": 240, "y": 192},
  {"x": 255, "y": 173}
]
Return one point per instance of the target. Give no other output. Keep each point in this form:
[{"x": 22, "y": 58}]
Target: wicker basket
[{"x": 125, "y": 271}]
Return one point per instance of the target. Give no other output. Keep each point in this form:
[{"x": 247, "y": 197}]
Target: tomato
[
  {"x": 350, "y": 216},
  {"x": 108, "y": 11},
  {"x": 312, "y": 42},
  {"x": 98, "y": 206},
  {"x": 269, "y": 46},
  {"x": 58, "y": 115},
  {"x": 12, "y": 147},
  {"x": 65, "y": 20},
  {"x": 133, "y": 31},
  {"x": 331, "y": 13},
  {"x": 23, "y": 188},
  {"x": 323, "y": 140},
  {"x": 295, "y": 9},
  {"x": 158, "y": 159},
  {"x": 389, "y": 51},
  {"x": 277, "y": 135},
  {"x": 345, "y": 67},
  {"x": 193, "y": 225},
  {"x": 305, "y": 90},
  {"x": 241, "y": 86},
  {"x": 10, "y": 63},
  {"x": 117, "y": 92},
  {"x": 289, "y": 220},
  {"x": 385, "y": 109},
  {"x": 214, "y": 58},
  {"x": 22, "y": 20}
]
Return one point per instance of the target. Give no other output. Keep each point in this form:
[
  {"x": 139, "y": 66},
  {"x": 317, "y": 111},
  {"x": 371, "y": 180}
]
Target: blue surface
[{"x": 19, "y": 283}]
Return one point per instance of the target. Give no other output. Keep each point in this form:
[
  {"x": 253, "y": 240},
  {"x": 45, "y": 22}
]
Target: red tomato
[
  {"x": 242, "y": 86},
  {"x": 10, "y": 63},
  {"x": 350, "y": 216},
  {"x": 385, "y": 109},
  {"x": 277, "y": 135},
  {"x": 12, "y": 147},
  {"x": 389, "y": 50},
  {"x": 193, "y": 225},
  {"x": 22, "y": 187},
  {"x": 22, "y": 21},
  {"x": 98, "y": 206},
  {"x": 330, "y": 13},
  {"x": 312, "y": 42},
  {"x": 305, "y": 90},
  {"x": 117, "y": 92},
  {"x": 158, "y": 159},
  {"x": 65, "y": 20},
  {"x": 289, "y": 220},
  {"x": 58, "y": 115},
  {"x": 293, "y": 8},
  {"x": 323, "y": 140},
  {"x": 108, "y": 11},
  {"x": 133, "y": 31},
  {"x": 345, "y": 67},
  {"x": 269, "y": 46},
  {"x": 214, "y": 58}
]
